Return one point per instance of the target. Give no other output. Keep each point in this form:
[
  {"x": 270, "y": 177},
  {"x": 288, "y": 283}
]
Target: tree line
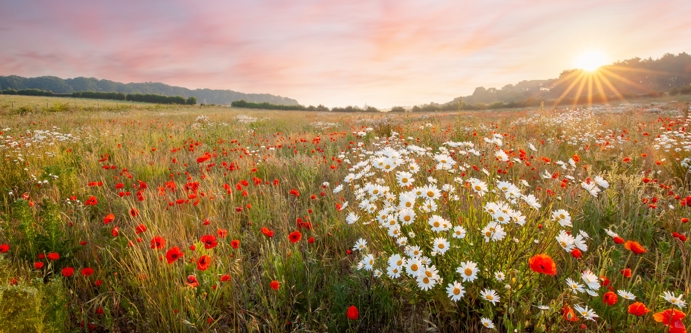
[
  {"x": 270, "y": 106},
  {"x": 148, "y": 98},
  {"x": 69, "y": 86}
]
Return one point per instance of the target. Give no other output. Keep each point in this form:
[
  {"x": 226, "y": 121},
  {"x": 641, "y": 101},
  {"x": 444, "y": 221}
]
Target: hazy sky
[{"x": 337, "y": 53}]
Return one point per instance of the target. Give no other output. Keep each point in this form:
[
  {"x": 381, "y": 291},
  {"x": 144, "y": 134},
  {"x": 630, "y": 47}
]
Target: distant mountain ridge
[{"x": 66, "y": 86}]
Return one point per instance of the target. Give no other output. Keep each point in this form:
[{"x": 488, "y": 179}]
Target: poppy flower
[
  {"x": 209, "y": 241},
  {"x": 294, "y": 192},
  {"x": 267, "y": 232},
  {"x": 53, "y": 256},
  {"x": 274, "y": 285},
  {"x": 158, "y": 243},
  {"x": 91, "y": 201},
  {"x": 225, "y": 278},
  {"x": 192, "y": 281},
  {"x": 610, "y": 298},
  {"x": 671, "y": 318},
  {"x": 87, "y": 271},
  {"x": 4, "y": 248},
  {"x": 638, "y": 309},
  {"x": 352, "y": 312},
  {"x": 310, "y": 240},
  {"x": 235, "y": 243},
  {"x": 618, "y": 240},
  {"x": 134, "y": 212},
  {"x": 203, "y": 263},
  {"x": 295, "y": 236},
  {"x": 568, "y": 313},
  {"x": 115, "y": 231},
  {"x": 173, "y": 254},
  {"x": 635, "y": 247},
  {"x": 626, "y": 272},
  {"x": 576, "y": 253},
  {"x": 67, "y": 271},
  {"x": 109, "y": 218},
  {"x": 543, "y": 264},
  {"x": 38, "y": 265},
  {"x": 223, "y": 233},
  {"x": 140, "y": 228}
]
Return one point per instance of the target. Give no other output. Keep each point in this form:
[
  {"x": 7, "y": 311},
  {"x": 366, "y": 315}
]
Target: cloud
[{"x": 339, "y": 52}]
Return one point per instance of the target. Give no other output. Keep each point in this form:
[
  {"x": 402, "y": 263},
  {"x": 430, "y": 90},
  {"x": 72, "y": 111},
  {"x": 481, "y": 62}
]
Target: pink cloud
[{"x": 341, "y": 52}]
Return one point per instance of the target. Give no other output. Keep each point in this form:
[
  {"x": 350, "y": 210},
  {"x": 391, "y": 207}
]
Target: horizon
[{"x": 382, "y": 54}]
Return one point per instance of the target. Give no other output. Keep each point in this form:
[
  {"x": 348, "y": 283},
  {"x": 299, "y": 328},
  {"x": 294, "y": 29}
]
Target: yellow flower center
[
  {"x": 456, "y": 291},
  {"x": 468, "y": 271}
]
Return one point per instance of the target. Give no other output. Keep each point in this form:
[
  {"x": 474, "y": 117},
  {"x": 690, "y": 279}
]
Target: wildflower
[
  {"x": 225, "y": 278},
  {"x": 468, "y": 271},
  {"x": 361, "y": 244},
  {"x": 67, "y": 271},
  {"x": 566, "y": 241},
  {"x": 424, "y": 282},
  {"x": 455, "y": 291},
  {"x": 459, "y": 232},
  {"x": 87, "y": 271},
  {"x": 140, "y": 229},
  {"x": 209, "y": 241},
  {"x": 274, "y": 285},
  {"x": 352, "y": 312},
  {"x": 626, "y": 295},
  {"x": 626, "y": 272},
  {"x": 173, "y": 254},
  {"x": 352, "y": 218},
  {"x": 235, "y": 243},
  {"x": 53, "y": 256},
  {"x": 486, "y": 322},
  {"x": 672, "y": 319},
  {"x": 267, "y": 232},
  {"x": 610, "y": 298},
  {"x": 568, "y": 313},
  {"x": 490, "y": 295},
  {"x": 158, "y": 243},
  {"x": 203, "y": 263},
  {"x": 109, "y": 218},
  {"x": 38, "y": 265},
  {"x": 413, "y": 267},
  {"x": 638, "y": 309},
  {"x": 586, "y": 312},
  {"x": 295, "y": 236},
  {"x": 440, "y": 245},
  {"x": 575, "y": 286},
  {"x": 591, "y": 280},
  {"x": 91, "y": 201},
  {"x": 675, "y": 300},
  {"x": 499, "y": 276},
  {"x": 634, "y": 247},
  {"x": 192, "y": 281},
  {"x": 368, "y": 262},
  {"x": 543, "y": 264}
]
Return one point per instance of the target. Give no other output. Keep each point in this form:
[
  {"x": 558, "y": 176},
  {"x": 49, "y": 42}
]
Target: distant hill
[
  {"x": 634, "y": 77},
  {"x": 66, "y": 86}
]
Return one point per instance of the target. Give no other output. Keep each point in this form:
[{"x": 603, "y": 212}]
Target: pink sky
[{"x": 336, "y": 53}]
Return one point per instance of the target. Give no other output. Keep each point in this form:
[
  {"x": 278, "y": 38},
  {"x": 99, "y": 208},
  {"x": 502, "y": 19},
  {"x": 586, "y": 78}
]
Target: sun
[{"x": 589, "y": 61}]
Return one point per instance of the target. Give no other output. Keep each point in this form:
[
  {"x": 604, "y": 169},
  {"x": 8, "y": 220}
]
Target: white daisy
[{"x": 455, "y": 291}]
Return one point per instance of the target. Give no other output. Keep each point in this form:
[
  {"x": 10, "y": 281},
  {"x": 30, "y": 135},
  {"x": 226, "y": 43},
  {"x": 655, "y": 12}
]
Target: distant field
[{"x": 119, "y": 217}]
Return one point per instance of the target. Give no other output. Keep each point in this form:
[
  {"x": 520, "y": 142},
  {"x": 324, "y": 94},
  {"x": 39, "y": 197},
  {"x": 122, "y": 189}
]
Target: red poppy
[
  {"x": 203, "y": 263},
  {"x": 605, "y": 281},
  {"x": 109, "y": 218},
  {"x": 225, "y": 278},
  {"x": 618, "y": 240},
  {"x": 192, "y": 281},
  {"x": 209, "y": 241},
  {"x": 684, "y": 220},
  {"x": 134, "y": 212},
  {"x": 267, "y": 232},
  {"x": 274, "y": 285},
  {"x": 671, "y": 318},
  {"x": 635, "y": 247},
  {"x": 235, "y": 243},
  {"x": 310, "y": 240},
  {"x": 626, "y": 159},
  {"x": 4, "y": 248},
  {"x": 626, "y": 272},
  {"x": 38, "y": 265},
  {"x": 610, "y": 298},
  {"x": 53, "y": 256},
  {"x": 158, "y": 243},
  {"x": 140, "y": 228},
  {"x": 638, "y": 309},
  {"x": 576, "y": 253},
  {"x": 92, "y": 201},
  {"x": 67, "y": 271},
  {"x": 98, "y": 283},
  {"x": 173, "y": 254},
  {"x": 568, "y": 313},
  {"x": 87, "y": 271},
  {"x": 295, "y": 236},
  {"x": 203, "y": 158},
  {"x": 294, "y": 192},
  {"x": 352, "y": 313},
  {"x": 223, "y": 233},
  {"x": 115, "y": 231},
  {"x": 543, "y": 264}
]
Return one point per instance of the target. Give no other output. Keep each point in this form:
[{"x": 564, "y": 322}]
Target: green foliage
[
  {"x": 33, "y": 308},
  {"x": 269, "y": 106}
]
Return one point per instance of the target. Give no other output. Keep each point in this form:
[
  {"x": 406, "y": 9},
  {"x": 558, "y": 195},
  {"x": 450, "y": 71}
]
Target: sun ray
[
  {"x": 580, "y": 90},
  {"x": 623, "y": 79},
  {"x": 599, "y": 88},
  {"x": 590, "y": 90},
  {"x": 575, "y": 81},
  {"x": 609, "y": 84}
]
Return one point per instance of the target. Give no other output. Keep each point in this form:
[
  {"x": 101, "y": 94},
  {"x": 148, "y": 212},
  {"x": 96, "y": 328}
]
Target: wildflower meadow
[{"x": 134, "y": 217}]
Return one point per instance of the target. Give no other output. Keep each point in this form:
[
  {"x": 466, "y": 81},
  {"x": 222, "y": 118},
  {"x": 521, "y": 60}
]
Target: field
[{"x": 120, "y": 217}]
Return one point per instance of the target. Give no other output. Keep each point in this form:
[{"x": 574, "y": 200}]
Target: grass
[{"x": 57, "y": 150}]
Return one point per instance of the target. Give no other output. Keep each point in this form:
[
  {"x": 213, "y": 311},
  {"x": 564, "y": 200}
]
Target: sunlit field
[{"x": 133, "y": 217}]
